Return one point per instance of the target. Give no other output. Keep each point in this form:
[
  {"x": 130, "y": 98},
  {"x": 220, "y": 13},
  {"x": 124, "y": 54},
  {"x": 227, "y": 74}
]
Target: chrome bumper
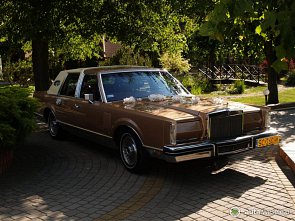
[{"x": 207, "y": 149}]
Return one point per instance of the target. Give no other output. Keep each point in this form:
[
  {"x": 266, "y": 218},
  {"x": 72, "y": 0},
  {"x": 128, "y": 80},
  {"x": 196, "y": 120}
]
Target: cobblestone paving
[{"x": 78, "y": 180}]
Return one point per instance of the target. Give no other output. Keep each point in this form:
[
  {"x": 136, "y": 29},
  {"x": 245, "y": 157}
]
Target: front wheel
[
  {"x": 53, "y": 126},
  {"x": 132, "y": 154}
]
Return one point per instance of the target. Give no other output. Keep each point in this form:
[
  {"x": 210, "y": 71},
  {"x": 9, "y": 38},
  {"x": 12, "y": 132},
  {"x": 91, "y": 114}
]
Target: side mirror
[{"x": 89, "y": 98}]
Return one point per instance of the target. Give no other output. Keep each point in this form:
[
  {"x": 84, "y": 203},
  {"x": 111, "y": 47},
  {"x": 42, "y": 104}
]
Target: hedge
[{"x": 17, "y": 108}]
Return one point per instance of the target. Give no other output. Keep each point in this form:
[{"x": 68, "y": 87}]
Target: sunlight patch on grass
[
  {"x": 254, "y": 90},
  {"x": 285, "y": 96}
]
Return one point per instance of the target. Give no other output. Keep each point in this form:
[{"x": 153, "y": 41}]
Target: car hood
[{"x": 184, "y": 110}]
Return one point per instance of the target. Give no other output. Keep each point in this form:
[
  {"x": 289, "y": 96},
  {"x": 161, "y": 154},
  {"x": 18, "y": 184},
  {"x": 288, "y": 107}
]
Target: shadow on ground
[{"x": 76, "y": 179}]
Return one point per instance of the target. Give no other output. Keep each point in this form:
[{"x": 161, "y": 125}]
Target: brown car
[{"x": 147, "y": 112}]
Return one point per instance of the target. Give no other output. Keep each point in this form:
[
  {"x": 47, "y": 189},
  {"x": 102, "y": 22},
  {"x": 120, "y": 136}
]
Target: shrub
[
  {"x": 196, "y": 86},
  {"x": 237, "y": 88},
  {"x": 175, "y": 63},
  {"x": 291, "y": 79},
  {"x": 20, "y": 72},
  {"x": 17, "y": 109},
  {"x": 126, "y": 56}
]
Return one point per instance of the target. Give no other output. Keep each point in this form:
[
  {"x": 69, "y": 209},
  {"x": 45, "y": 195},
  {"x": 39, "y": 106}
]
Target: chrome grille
[{"x": 225, "y": 124}]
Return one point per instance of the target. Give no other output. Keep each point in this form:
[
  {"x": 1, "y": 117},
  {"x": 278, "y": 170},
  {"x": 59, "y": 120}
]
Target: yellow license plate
[{"x": 268, "y": 141}]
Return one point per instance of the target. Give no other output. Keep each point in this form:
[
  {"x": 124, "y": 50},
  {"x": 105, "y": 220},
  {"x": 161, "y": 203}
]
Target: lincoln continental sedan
[{"x": 146, "y": 112}]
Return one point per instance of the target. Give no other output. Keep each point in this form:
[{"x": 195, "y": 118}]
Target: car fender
[{"x": 125, "y": 122}]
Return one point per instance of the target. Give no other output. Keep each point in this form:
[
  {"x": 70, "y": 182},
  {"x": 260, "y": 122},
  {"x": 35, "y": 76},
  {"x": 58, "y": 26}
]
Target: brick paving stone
[
  {"x": 72, "y": 180},
  {"x": 186, "y": 219}
]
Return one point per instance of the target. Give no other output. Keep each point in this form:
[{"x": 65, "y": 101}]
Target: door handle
[
  {"x": 58, "y": 101},
  {"x": 76, "y": 106}
]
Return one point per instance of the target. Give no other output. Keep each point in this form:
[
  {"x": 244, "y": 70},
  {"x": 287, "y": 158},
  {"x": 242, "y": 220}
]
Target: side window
[
  {"x": 90, "y": 86},
  {"x": 69, "y": 86}
]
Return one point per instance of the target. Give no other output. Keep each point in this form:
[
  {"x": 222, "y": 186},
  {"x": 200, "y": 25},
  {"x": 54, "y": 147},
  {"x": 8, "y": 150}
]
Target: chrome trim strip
[
  {"x": 124, "y": 70},
  {"x": 235, "y": 140},
  {"x": 61, "y": 122},
  {"x": 153, "y": 148},
  {"x": 235, "y": 151},
  {"x": 187, "y": 147},
  {"x": 102, "y": 91},
  {"x": 267, "y": 132},
  {"x": 40, "y": 115},
  {"x": 193, "y": 156},
  {"x": 253, "y": 136},
  {"x": 79, "y": 84}
]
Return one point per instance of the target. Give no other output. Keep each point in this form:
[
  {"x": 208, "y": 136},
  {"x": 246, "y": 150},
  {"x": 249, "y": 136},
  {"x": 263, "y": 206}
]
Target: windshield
[{"x": 118, "y": 86}]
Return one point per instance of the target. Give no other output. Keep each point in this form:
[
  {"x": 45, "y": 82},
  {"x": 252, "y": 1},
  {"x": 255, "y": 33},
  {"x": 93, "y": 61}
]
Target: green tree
[
  {"x": 42, "y": 22},
  {"x": 155, "y": 27},
  {"x": 269, "y": 23}
]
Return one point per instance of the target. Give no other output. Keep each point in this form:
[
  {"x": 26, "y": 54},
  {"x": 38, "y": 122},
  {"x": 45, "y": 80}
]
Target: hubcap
[
  {"x": 52, "y": 125},
  {"x": 129, "y": 150}
]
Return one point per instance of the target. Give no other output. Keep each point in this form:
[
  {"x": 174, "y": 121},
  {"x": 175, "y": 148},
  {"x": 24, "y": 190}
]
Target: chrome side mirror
[{"x": 89, "y": 98}]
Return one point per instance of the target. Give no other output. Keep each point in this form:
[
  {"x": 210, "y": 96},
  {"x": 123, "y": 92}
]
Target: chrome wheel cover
[
  {"x": 52, "y": 124},
  {"x": 129, "y": 150}
]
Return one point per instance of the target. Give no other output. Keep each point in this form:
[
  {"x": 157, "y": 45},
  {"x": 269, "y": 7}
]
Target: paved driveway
[{"x": 77, "y": 180}]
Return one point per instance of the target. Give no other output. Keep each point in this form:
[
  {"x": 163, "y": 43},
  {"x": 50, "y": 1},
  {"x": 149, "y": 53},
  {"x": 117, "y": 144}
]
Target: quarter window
[
  {"x": 90, "y": 86},
  {"x": 69, "y": 86}
]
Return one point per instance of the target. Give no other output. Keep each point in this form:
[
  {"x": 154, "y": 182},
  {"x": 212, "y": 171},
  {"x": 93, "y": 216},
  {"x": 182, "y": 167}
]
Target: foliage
[
  {"x": 17, "y": 109},
  {"x": 267, "y": 20},
  {"x": 76, "y": 47},
  {"x": 20, "y": 72},
  {"x": 237, "y": 88},
  {"x": 291, "y": 79},
  {"x": 195, "y": 85},
  {"x": 127, "y": 56},
  {"x": 148, "y": 26},
  {"x": 175, "y": 63},
  {"x": 43, "y": 23},
  {"x": 269, "y": 23}
]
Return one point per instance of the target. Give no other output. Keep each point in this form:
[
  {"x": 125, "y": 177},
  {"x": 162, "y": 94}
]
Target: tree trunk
[
  {"x": 40, "y": 64},
  {"x": 270, "y": 55}
]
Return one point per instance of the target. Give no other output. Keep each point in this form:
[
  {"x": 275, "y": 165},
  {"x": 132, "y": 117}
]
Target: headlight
[{"x": 173, "y": 133}]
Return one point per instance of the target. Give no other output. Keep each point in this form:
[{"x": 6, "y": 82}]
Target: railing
[{"x": 251, "y": 73}]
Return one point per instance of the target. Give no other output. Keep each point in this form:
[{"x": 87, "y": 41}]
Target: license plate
[{"x": 267, "y": 141}]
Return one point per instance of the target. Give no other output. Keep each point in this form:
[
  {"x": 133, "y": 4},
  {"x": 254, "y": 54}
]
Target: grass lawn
[
  {"x": 253, "y": 90},
  {"x": 285, "y": 96}
]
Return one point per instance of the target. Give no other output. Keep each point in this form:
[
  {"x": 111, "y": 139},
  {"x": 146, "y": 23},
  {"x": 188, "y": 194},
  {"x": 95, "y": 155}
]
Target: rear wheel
[
  {"x": 132, "y": 154},
  {"x": 53, "y": 126}
]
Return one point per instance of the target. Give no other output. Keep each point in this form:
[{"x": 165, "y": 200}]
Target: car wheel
[
  {"x": 53, "y": 126},
  {"x": 132, "y": 153}
]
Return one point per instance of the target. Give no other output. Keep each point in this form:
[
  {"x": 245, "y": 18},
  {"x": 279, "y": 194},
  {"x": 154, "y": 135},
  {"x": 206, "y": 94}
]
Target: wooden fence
[{"x": 250, "y": 73}]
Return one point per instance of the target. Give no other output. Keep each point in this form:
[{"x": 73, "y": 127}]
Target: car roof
[{"x": 112, "y": 69}]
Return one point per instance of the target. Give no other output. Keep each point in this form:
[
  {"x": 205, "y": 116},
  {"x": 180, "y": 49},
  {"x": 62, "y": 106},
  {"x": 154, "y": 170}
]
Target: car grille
[
  {"x": 225, "y": 124},
  {"x": 234, "y": 146}
]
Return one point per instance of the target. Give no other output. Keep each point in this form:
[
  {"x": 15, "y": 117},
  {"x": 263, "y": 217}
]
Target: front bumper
[{"x": 209, "y": 149}]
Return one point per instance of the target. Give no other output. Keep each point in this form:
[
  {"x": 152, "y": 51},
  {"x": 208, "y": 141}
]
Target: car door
[
  {"x": 65, "y": 109},
  {"x": 89, "y": 113}
]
